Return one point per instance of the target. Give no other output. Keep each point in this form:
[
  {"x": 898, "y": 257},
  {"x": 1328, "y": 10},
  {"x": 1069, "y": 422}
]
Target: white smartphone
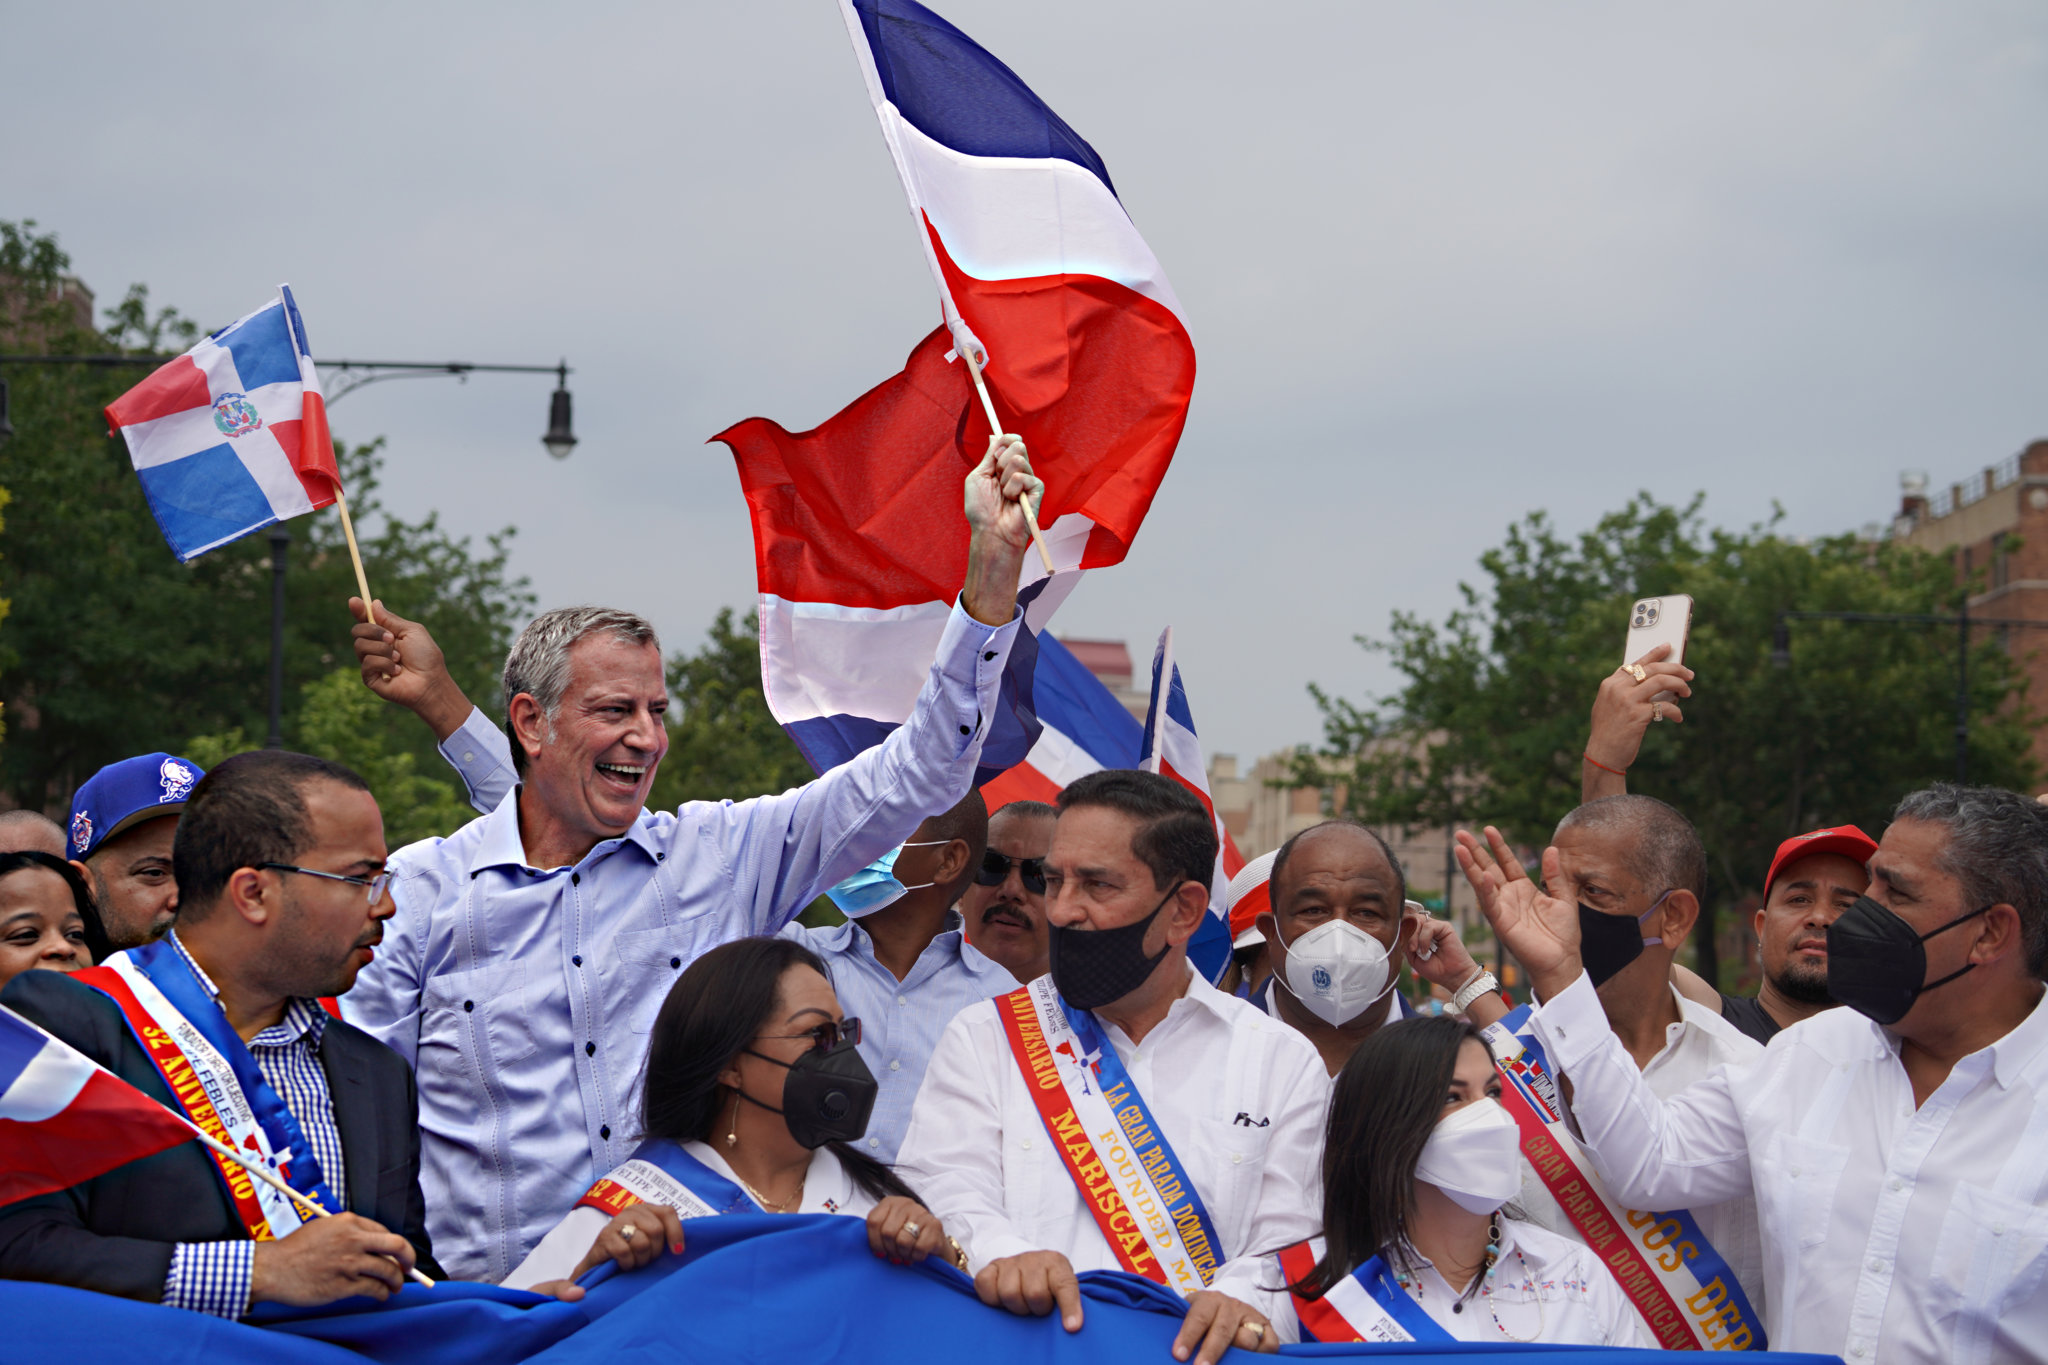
[{"x": 1657, "y": 621}]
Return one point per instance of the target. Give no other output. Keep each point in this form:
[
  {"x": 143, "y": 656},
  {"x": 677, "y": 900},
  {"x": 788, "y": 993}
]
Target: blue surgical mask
[{"x": 875, "y": 885}]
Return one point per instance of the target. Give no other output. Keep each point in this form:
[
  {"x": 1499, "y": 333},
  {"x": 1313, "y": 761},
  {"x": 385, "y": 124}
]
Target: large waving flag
[
  {"x": 1173, "y": 750},
  {"x": 860, "y": 543},
  {"x": 64, "y": 1119},
  {"x": 231, "y": 436}
]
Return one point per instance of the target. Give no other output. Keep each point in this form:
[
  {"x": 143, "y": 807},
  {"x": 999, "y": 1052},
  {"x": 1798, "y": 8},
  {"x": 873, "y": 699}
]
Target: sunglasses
[
  {"x": 995, "y": 867},
  {"x": 827, "y": 1035}
]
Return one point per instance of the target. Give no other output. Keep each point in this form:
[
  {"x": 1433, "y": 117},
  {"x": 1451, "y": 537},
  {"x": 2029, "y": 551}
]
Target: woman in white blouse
[
  {"x": 1420, "y": 1157},
  {"x": 753, "y": 1093}
]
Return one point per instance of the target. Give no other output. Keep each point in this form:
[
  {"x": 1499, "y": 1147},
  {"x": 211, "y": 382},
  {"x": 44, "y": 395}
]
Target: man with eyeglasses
[
  {"x": 283, "y": 898},
  {"x": 1004, "y": 910},
  {"x": 900, "y": 964}
]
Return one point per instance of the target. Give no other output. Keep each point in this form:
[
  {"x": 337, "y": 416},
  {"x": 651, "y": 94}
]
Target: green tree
[
  {"x": 1491, "y": 719},
  {"x": 723, "y": 741},
  {"x": 342, "y": 720},
  {"x": 114, "y": 648}
]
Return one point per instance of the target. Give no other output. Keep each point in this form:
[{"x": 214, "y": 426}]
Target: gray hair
[
  {"x": 1997, "y": 849},
  {"x": 539, "y": 662},
  {"x": 1663, "y": 851}
]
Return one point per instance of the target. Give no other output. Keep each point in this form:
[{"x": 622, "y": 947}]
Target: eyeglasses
[
  {"x": 996, "y": 866},
  {"x": 374, "y": 886},
  {"x": 827, "y": 1035}
]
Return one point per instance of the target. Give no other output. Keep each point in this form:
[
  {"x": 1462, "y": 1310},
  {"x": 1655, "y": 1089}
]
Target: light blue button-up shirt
[
  {"x": 900, "y": 1021},
  {"x": 523, "y": 996}
]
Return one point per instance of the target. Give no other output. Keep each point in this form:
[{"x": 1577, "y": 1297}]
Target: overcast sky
[{"x": 1444, "y": 263}]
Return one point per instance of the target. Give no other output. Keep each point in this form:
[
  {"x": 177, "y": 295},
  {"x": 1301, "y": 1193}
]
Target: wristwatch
[{"x": 1479, "y": 985}]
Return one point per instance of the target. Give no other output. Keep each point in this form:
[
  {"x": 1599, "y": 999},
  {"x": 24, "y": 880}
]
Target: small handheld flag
[
  {"x": 1172, "y": 750},
  {"x": 64, "y": 1120},
  {"x": 232, "y": 437}
]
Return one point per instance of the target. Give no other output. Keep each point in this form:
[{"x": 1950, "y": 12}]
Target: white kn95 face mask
[
  {"x": 1474, "y": 1156},
  {"x": 1338, "y": 970}
]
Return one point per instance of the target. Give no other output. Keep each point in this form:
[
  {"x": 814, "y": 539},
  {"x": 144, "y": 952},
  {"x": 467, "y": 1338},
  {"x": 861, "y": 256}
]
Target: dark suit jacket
[{"x": 115, "y": 1234}]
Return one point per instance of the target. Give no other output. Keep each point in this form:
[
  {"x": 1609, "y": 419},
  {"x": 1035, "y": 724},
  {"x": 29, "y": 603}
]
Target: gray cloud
[{"x": 1444, "y": 262}]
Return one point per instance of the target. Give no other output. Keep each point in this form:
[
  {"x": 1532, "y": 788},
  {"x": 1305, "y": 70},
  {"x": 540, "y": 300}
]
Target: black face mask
[
  {"x": 1608, "y": 943},
  {"x": 1877, "y": 964},
  {"x": 1091, "y": 967},
  {"x": 826, "y": 1097}
]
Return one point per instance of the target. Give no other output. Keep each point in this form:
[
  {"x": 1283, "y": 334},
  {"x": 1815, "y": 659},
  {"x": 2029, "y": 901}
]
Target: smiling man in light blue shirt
[{"x": 532, "y": 949}]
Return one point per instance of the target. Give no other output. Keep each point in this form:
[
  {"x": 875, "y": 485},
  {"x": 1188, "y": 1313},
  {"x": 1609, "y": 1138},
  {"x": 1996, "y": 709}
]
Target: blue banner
[{"x": 748, "y": 1287}]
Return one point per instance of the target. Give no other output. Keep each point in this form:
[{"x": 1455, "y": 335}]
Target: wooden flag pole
[
  {"x": 995, "y": 429},
  {"x": 263, "y": 1174},
  {"x": 348, "y": 528}
]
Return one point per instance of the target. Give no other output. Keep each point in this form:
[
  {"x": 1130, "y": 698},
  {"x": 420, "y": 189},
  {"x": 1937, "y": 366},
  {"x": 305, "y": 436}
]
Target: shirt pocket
[
  {"x": 646, "y": 964},
  {"x": 1989, "y": 1255},
  {"x": 479, "y": 1012},
  {"x": 1235, "y": 1151},
  {"x": 1795, "y": 1181}
]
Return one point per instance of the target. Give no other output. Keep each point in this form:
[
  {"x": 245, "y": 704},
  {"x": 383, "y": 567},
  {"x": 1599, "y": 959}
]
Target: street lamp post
[
  {"x": 280, "y": 542},
  {"x": 1781, "y": 653}
]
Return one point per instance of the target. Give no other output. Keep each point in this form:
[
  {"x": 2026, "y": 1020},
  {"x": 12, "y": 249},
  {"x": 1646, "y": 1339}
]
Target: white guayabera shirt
[{"x": 1890, "y": 1234}]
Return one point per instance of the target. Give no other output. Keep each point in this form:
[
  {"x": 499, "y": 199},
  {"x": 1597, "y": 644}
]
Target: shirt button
[
  {"x": 1794, "y": 1172},
  {"x": 575, "y": 879},
  {"x": 1857, "y": 1350},
  {"x": 1897, "y": 1184},
  {"x": 1876, "y": 1265},
  {"x": 605, "y": 1132},
  {"x": 1998, "y": 1229},
  {"x": 1027, "y": 1144},
  {"x": 989, "y": 657},
  {"x": 675, "y": 962},
  {"x": 468, "y": 1005},
  {"x": 875, "y": 1143},
  {"x": 966, "y": 730},
  {"x": 578, "y": 959},
  {"x": 590, "y": 1049},
  {"x": 469, "y": 756},
  {"x": 895, "y": 1066},
  {"x": 1237, "y": 1158},
  {"x": 901, "y": 1000}
]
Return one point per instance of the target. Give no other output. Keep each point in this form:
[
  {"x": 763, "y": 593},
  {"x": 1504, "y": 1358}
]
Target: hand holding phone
[{"x": 1655, "y": 621}]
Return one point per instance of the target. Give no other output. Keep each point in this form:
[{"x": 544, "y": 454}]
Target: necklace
[
  {"x": 763, "y": 1200},
  {"x": 1413, "y": 1284}
]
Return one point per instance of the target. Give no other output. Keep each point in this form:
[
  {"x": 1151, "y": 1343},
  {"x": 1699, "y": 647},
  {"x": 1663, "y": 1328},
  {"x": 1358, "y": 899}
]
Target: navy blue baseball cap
[{"x": 123, "y": 795}]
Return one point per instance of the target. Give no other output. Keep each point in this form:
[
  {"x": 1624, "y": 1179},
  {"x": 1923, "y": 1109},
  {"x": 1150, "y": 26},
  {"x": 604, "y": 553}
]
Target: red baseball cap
[
  {"x": 1248, "y": 898},
  {"x": 1847, "y": 840}
]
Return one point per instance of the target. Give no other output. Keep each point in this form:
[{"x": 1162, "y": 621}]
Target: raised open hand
[{"x": 1540, "y": 930}]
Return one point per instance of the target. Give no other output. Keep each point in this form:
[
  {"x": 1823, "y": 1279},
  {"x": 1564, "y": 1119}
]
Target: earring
[{"x": 732, "y": 1135}]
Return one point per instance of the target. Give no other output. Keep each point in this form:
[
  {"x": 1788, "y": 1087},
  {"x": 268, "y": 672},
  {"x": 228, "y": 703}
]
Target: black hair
[
  {"x": 967, "y": 821},
  {"x": 1662, "y": 849},
  {"x": 81, "y": 895},
  {"x": 1386, "y": 1102},
  {"x": 1176, "y": 837},
  {"x": 249, "y": 810},
  {"x": 1287, "y": 851},
  {"x": 716, "y": 1009}
]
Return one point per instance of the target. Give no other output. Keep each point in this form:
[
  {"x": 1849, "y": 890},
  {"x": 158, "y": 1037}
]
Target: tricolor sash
[
  {"x": 661, "y": 1172},
  {"x": 1683, "y": 1289},
  {"x": 1366, "y": 1305},
  {"x": 215, "y": 1081},
  {"x": 1133, "y": 1184}
]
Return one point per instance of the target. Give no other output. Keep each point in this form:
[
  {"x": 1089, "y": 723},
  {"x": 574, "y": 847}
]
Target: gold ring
[
  {"x": 1257, "y": 1329},
  {"x": 627, "y": 1233},
  {"x": 910, "y": 1228},
  {"x": 1637, "y": 671}
]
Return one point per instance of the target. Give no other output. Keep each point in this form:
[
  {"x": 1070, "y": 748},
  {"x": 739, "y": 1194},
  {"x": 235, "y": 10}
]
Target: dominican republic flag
[
  {"x": 1172, "y": 750},
  {"x": 232, "y": 435},
  {"x": 64, "y": 1119},
  {"x": 859, "y": 538}
]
